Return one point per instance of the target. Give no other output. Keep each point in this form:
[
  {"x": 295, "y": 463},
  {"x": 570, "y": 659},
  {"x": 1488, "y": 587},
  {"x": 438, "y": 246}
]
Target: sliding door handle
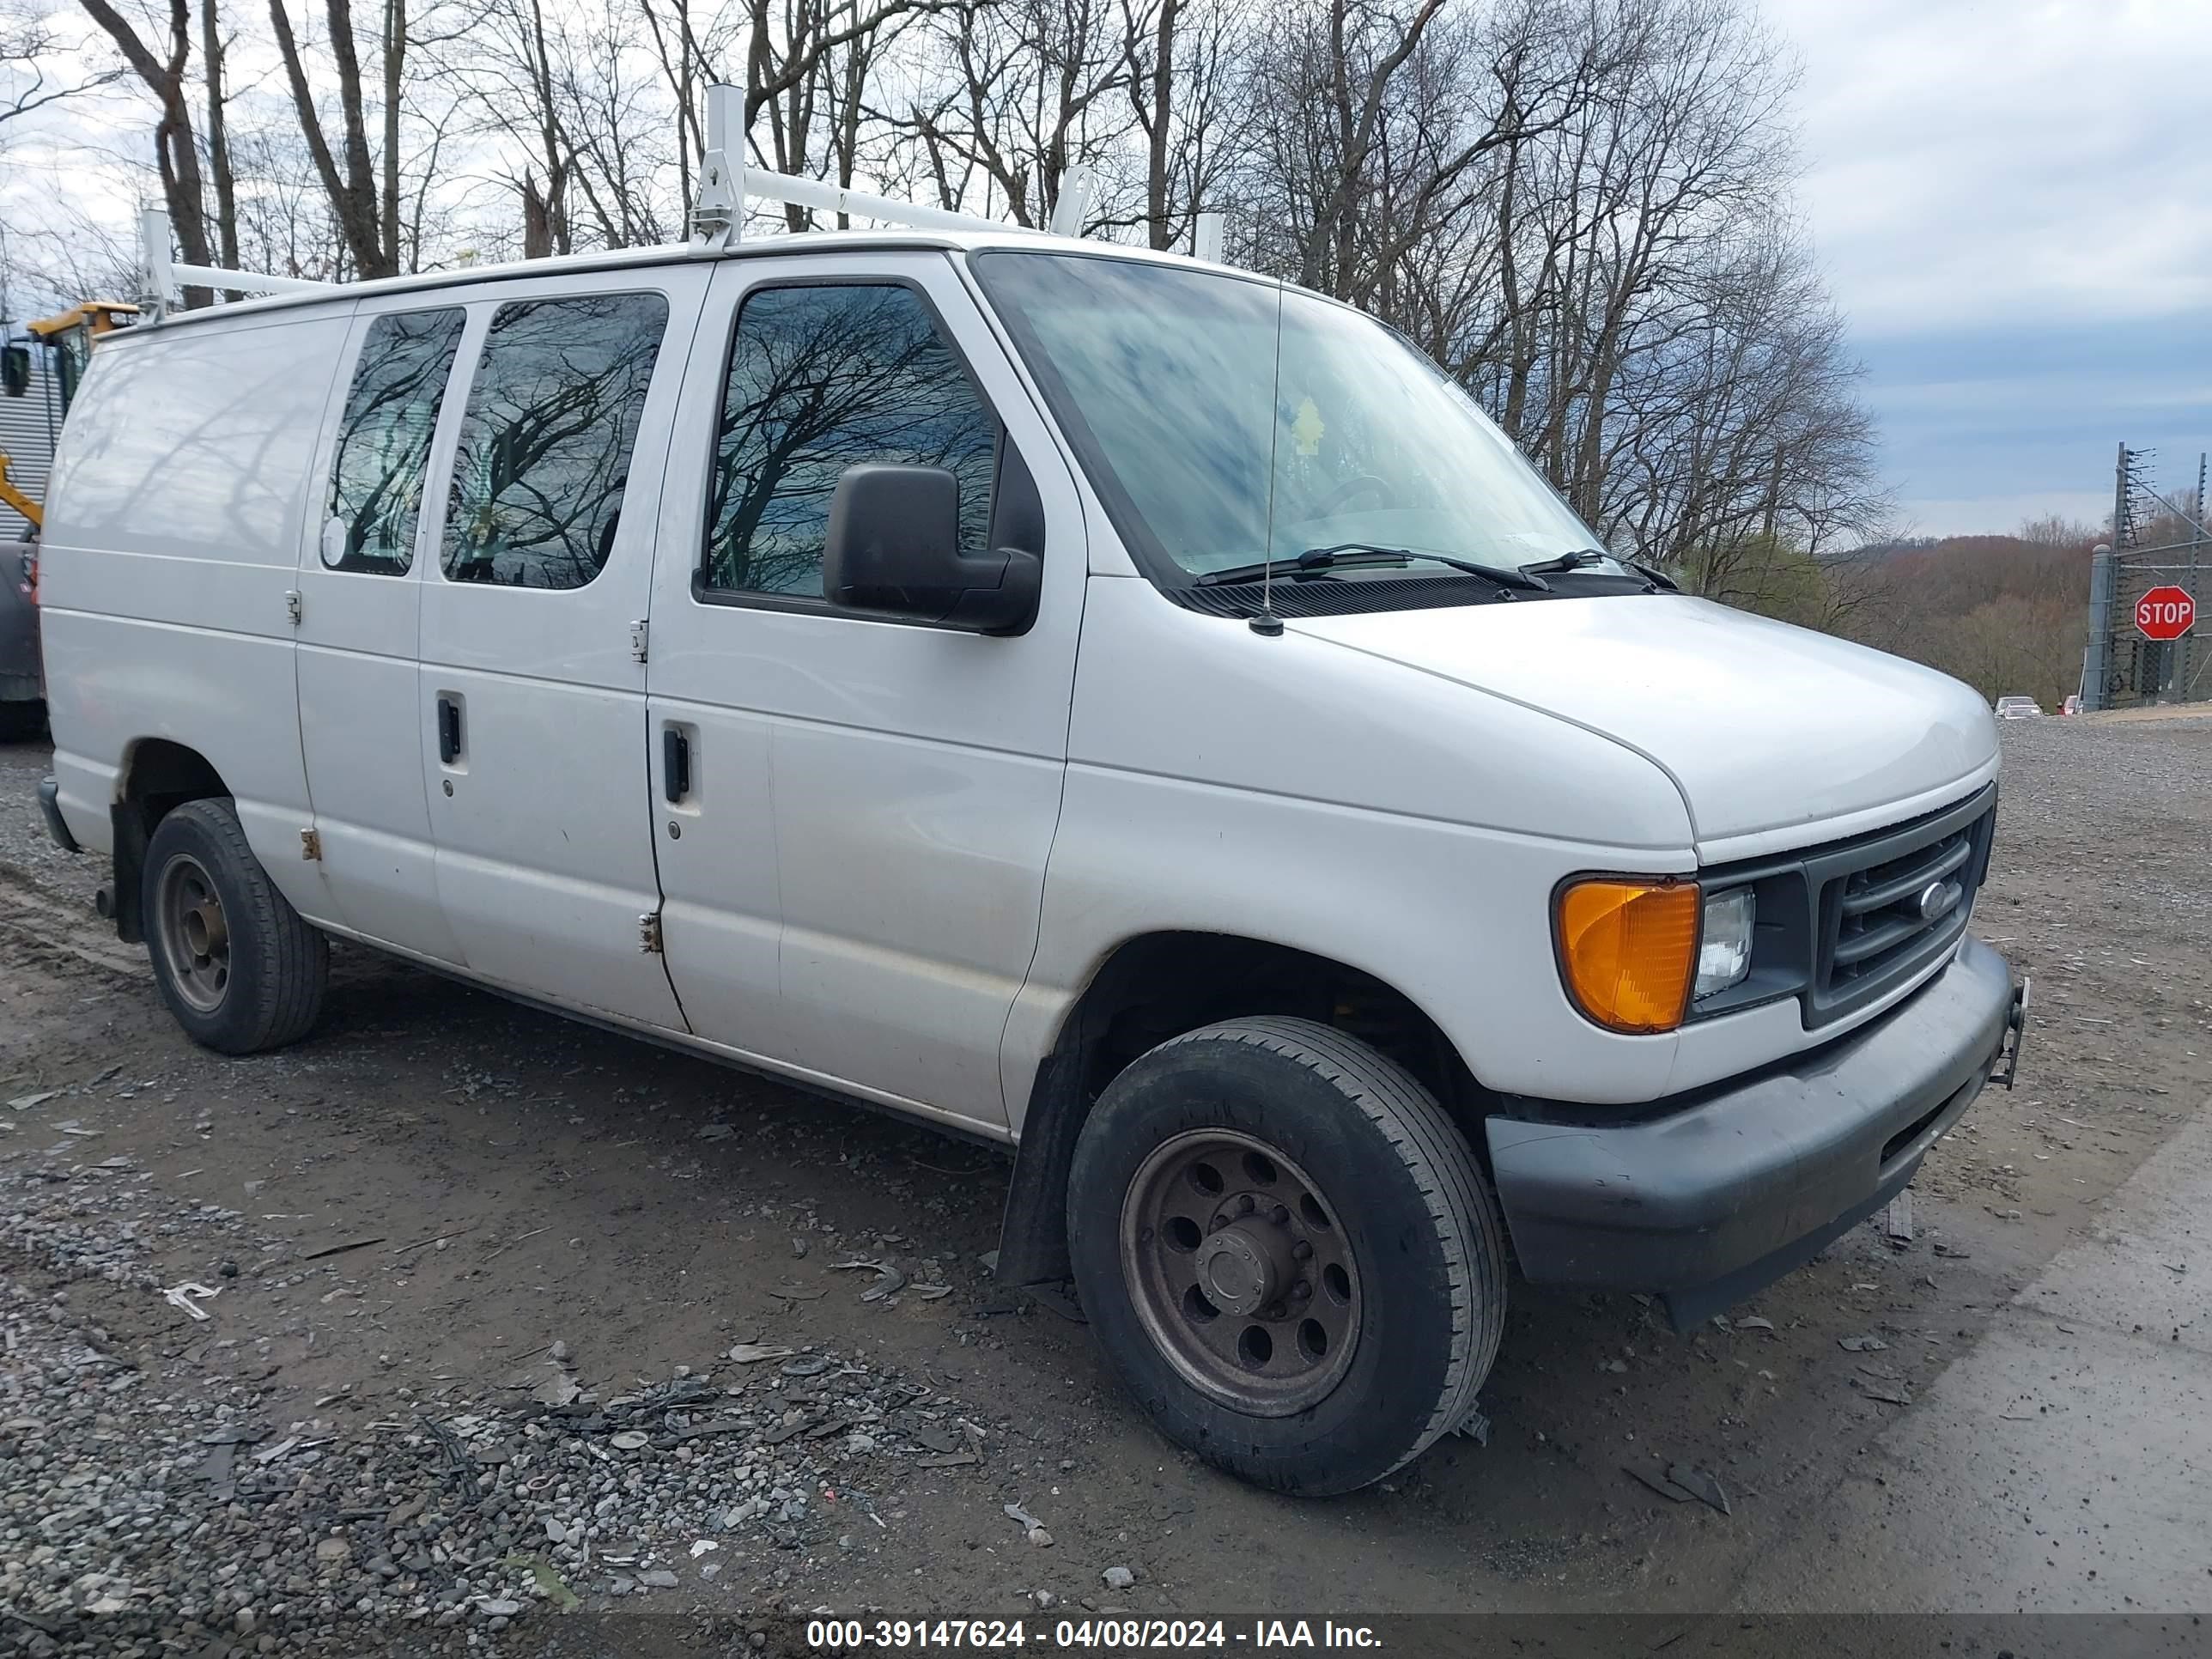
[
  {"x": 675, "y": 764},
  {"x": 449, "y": 731}
]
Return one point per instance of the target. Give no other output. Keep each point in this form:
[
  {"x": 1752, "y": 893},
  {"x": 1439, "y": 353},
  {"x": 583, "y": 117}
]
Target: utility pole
[
  {"x": 2104, "y": 581},
  {"x": 2097, "y": 662},
  {"x": 2184, "y": 648},
  {"x": 2120, "y": 499}
]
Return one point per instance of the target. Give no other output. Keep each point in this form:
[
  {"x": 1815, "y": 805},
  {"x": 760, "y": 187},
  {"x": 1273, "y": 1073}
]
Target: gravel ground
[
  {"x": 142, "y": 1504},
  {"x": 139, "y": 1504},
  {"x": 513, "y": 1320}
]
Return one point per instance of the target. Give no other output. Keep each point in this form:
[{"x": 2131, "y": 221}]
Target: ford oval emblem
[{"x": 1938, "y": 899}]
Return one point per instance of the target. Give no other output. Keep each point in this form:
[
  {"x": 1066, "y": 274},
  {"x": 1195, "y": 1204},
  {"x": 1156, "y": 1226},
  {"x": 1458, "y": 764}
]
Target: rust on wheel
[
  {"x": 195, "y": 938},
  {"x": 1238, "y": 1266}
]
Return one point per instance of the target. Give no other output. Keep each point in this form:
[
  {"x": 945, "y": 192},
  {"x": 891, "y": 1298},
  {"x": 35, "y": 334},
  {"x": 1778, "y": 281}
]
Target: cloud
[
  {"x": 1969, "y": 161},
  {"x": 2007, "y": 197},
  {"x": 2022, "y": 419}
]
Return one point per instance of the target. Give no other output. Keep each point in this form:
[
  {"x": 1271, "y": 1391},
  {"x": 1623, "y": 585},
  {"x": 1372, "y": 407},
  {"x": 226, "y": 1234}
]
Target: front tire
[
  {"x": 236, "y": 965},
  {"x": 1287, "y": 1252}
]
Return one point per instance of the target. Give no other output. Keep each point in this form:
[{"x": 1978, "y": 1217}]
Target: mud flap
[{"x": 2005, "y": 1069}]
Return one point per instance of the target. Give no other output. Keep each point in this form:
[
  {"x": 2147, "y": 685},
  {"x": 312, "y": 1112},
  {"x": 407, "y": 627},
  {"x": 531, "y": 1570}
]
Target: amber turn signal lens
[{"x": 1628, "y": 951}]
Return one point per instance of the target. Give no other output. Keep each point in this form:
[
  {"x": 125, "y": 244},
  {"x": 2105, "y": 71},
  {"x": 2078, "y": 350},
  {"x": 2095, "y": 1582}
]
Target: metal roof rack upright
[{"x": 726, "y": 184}]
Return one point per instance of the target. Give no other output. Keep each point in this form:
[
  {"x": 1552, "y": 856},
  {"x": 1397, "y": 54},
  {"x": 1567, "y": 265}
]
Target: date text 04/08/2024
[{"x": 1107, "y": 1634}]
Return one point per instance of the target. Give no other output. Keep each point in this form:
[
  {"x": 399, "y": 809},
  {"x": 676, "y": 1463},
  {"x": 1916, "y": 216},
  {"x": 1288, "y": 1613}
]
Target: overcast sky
[{"x": 2012, "y": 199}]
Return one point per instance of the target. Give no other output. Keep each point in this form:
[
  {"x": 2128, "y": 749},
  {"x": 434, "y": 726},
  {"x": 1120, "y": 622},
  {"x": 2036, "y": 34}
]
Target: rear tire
[
  {"x": 236, "y": 965},
  {"x": 1278, "y": 1166}
]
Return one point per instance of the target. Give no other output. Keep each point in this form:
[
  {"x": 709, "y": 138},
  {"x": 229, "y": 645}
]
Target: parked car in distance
[
  {"x": 22, "y": 686},
  {"x": 2071, "y": 706},
  {"x": 1088, "y": 699},
  {"x": 2019, "y": 708}
]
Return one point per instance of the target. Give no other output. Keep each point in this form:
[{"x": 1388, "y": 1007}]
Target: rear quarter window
[
  {"x": 537, "y": 486},
  {"x": 199, "y": 442}
]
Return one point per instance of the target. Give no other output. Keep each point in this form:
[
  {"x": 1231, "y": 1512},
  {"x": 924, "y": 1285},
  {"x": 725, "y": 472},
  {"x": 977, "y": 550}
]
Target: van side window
[
  {"x": 823, "y": 378},
  {"x": 383, "y": 441},
  {"x": 544, "y": 451}
]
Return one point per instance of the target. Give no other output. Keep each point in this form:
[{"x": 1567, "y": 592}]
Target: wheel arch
[
  {"x": 1158, "y": 985},
  {"x": 158, "y": 776}
]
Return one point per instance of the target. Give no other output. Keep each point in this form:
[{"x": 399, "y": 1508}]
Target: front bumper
[{"x": 1709, "y": 1203}]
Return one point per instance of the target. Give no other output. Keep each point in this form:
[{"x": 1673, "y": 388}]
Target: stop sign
[{"x": 2164, "y": 613}]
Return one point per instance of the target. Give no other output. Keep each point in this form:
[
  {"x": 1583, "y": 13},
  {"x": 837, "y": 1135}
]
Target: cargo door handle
[
  {"x": 675, "y": 764},
  {"x": 449, "y": 730}
]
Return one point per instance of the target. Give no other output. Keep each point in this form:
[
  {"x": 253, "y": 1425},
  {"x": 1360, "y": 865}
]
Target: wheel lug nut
[
  {"x": 1247, "y": 1204},
  {"x": 1279, "y": 1215},
  {"x": 1301, "y": 1291},
  {"x": 1302, "y": 1251}
]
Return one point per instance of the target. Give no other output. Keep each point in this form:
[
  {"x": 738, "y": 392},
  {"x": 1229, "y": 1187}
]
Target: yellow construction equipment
[
  {"x": 12, "y": 497},
  {"x": 96, "y": 317}
]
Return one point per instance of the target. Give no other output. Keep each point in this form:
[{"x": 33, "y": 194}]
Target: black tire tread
[
  {"x": 294, "y": 958},
  {"x": 1442, "y": 1167}
]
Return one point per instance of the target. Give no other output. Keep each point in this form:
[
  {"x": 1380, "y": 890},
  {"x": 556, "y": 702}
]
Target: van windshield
[{"x": 1212, "y": 448}]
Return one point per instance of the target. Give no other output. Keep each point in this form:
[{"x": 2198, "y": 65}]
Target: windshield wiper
[
  {"x": 1582, "y": 557},
  {"x": 1587, "y": 555},
  {"x": 1561, "y": 563},
  {"x": 1353, "y": 556}
]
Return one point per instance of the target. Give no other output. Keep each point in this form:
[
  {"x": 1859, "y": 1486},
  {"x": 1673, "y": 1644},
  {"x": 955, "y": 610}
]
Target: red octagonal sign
[{"x": 2164, "y": 613}]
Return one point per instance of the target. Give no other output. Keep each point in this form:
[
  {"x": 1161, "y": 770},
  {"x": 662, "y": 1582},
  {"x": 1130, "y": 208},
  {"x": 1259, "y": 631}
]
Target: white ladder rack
[{"x": 717, "y": 221}]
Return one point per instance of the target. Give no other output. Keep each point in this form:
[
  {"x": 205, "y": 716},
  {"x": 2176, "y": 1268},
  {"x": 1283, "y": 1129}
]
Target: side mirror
[{"x": 893, "y": 545}]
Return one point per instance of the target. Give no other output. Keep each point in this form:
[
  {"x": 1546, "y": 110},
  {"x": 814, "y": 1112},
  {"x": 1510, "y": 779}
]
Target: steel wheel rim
[
  {"x": 195, "y": 934},
  {"x": 1239, "y": 1269}
]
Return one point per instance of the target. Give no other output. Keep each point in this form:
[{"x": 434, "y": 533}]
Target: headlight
[
  {"x": 1724, "y": 942},
  {"x": 1627, "y": 950}
]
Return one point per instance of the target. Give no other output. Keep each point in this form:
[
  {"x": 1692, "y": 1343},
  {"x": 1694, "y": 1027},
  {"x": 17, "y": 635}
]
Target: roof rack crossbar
[
  {"x": 164, "y": 276},
  {"x": 243, "y": 282}
]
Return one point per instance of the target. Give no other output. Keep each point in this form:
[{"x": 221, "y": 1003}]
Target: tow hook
[{"x": 2016, "y": 1025}]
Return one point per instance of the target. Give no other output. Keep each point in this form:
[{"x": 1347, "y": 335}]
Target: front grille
[{"x": 1885, "y": 906}]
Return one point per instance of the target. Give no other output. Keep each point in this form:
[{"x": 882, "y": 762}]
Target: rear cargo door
[{"x": 361, "y": 601}]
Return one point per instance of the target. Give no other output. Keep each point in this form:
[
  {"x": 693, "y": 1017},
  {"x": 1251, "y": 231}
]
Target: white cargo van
[{"x": 1089, "y": 699}]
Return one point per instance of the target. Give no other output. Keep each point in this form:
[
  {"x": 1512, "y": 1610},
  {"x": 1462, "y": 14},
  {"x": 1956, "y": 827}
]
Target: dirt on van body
[{"x": 476, "y": 1275}]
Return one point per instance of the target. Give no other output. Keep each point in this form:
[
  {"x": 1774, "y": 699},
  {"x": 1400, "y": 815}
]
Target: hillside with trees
[{"x": 2006, "y": 614}]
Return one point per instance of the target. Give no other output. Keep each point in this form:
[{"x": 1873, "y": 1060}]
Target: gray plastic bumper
[
  {"x": 50, "y": 809},
  {"x": 1710, "y": 1202}
]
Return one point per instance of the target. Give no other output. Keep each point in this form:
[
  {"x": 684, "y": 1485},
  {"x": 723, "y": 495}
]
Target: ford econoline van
[{"x": 1092, "y": 700}]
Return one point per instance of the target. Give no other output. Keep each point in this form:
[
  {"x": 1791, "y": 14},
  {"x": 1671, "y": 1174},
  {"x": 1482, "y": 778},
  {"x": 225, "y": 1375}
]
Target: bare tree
[
  {"x": 363, "y": 186},
  {"x": 1376, "y": 123},
  {"x": 218, "y": 138},
  {"x": 1580, "y": 211},
  {"x": 176, "y": 144},
  {"x": 29, "y": 43},
  {"x": 1183, "y": 59},
  {"x": 1025, "y": 90}
]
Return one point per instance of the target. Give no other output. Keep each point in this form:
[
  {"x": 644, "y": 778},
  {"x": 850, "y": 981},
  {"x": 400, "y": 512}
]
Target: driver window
[{"x": 824, "y": 377}]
